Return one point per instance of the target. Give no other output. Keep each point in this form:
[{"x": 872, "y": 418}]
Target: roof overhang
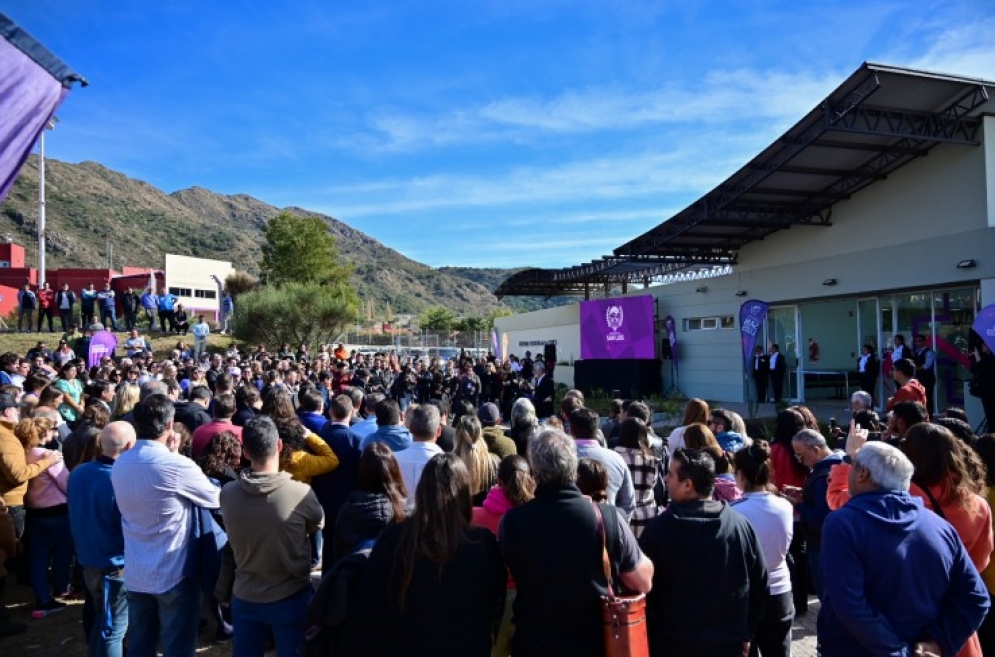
[{"x": 876, "y": 121}]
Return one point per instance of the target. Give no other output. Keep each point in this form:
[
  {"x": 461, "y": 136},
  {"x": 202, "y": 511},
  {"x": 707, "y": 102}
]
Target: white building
[
  {"x": 844, "y": 225},
  {"x": 197, "y": 282}
]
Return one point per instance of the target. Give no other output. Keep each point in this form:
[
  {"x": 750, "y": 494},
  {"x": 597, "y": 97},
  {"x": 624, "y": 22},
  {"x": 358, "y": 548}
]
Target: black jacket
[
  {"x": 191, "y": 415},
  {"x": 710, "y": 582},
  {"x": 363, "y": 516}
]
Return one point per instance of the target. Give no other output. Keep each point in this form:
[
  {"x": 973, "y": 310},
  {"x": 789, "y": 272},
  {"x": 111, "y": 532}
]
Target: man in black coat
[
  {"x": 778, "y": 367},
  {"x": 545, "y": 388},
  {"x": 760, "y": 369}
]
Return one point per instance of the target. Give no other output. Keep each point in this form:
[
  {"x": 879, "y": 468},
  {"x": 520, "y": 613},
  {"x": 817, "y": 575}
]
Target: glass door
[{"x": 782, "y": 329}]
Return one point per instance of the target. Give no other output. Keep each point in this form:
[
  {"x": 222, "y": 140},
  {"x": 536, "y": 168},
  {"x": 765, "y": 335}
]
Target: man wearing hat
[{"x": 497, "y": 442}]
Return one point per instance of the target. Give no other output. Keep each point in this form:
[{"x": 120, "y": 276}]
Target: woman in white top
[
  {"x": 695, "y": 412},
  {"x": 771, "y": 517}
]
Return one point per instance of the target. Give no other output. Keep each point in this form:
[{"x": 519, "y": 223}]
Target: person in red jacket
[
  {"x": 909, "y": 389},
  {"x": 46, "y": 305}
]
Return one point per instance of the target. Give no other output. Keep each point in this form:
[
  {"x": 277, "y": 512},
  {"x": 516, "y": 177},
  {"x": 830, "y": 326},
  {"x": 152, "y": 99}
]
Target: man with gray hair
[
  {"x": 425, "y": 427},
  {"x": 553, "y": 546},
  {"x": 861, "y": 401},
  {"x": 810, "y": 501},
  {"x": 902, "y": 581},
  {"x": 545, "y": 389}
]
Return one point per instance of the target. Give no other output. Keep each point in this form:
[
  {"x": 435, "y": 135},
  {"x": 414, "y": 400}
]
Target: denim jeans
[
  {"x": 255, "y": 621},
  {"x": 108, "y": 314},
  {"x": 172, "y": 616},
  {"x": 51, "y": 541},
  {"x": 110, "y": 602}
]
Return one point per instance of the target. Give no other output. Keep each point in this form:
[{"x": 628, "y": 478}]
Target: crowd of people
[{"x": 381, "y": 505}]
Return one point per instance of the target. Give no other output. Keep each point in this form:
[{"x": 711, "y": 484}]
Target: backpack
[{"x": 330, "y": 622}]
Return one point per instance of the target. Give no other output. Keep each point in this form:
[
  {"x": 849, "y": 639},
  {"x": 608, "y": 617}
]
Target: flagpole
[{"x": 41, "y": 209}]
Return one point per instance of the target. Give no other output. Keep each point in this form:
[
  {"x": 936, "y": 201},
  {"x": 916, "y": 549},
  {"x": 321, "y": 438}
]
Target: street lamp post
[{"x": 41, "y": 202}]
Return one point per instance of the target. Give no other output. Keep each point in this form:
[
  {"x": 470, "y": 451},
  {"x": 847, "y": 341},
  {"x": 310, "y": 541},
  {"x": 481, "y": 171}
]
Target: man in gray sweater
[{"x": 268, "y": 517}]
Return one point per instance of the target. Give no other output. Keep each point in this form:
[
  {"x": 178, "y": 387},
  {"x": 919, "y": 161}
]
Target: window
[
  {"x": 709, "y": 323},
  {"x": 4, "y": 264},
  {"x": 181, "y": 291},
  {"x": 206, "y": 294}
]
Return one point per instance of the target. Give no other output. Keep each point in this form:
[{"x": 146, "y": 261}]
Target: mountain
[
  {"x": 90, "y": 208},
  {"x": 491, "y": 277}
]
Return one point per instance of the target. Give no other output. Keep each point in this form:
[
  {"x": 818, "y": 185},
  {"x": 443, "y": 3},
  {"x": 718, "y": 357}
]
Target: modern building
[{"x": 871, "y": 217}]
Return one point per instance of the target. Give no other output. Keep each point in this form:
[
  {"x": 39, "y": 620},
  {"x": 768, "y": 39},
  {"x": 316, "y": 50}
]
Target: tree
[
  {"x": 240, "y": 282},
  {"x": 311, "y": 313},
  {"x": 301, "y": 250},
  {"x": 437, "y": 318}
]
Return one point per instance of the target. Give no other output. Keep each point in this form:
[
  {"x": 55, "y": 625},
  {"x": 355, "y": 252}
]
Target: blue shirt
[
  {"x": 94, "y": 517},
  {"x": 157, "y": 491},
  {"x": 167, "y": 301}
]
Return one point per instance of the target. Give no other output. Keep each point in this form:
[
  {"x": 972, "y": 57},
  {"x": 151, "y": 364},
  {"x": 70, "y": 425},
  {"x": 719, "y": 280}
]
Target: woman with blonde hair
[
  {"x": 47, "y": 517},
  {"x": 696, "y": 411},
  {"x": 125, "y": 400},
  {"x": 472, "y": 450}
]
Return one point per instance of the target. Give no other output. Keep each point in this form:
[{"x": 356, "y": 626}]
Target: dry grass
[{"x": 162, "y": 345}]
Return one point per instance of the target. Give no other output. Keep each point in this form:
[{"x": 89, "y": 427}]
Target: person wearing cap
[
  {"x": 493, "y": 434},
  {"x": 200, "y": 332}
]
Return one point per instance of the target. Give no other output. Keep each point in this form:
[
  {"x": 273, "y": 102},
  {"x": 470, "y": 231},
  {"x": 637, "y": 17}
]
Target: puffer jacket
[{"x": 363, "y": 516}]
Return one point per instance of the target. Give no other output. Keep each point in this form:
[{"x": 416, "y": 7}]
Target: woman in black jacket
[{"x": 378, "y": 501}]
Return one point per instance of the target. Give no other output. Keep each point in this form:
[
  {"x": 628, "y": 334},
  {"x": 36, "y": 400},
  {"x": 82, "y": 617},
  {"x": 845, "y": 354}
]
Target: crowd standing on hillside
[{"x": 161, "y": 489}]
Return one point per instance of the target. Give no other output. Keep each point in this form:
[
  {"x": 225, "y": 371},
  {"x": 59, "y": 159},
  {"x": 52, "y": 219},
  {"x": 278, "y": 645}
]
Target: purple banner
[
  {"x": 103, "y": 344},
  {"x": 618, "y": 328},
  {"x": 670, "y": 326},
  {"x": 752, "y": 315},
  {"x": 29, "y": 96},
  {"x": 984, "y": 326}
]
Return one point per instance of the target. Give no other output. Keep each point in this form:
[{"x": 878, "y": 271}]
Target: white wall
[
  {"x": 195, "y": 274},
  {"x": 535, "y": 329}
]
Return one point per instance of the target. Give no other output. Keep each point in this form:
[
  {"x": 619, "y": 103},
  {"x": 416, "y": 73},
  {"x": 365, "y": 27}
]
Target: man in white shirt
[
  {"x": 425, "y": 427},
  {"x": 157, "y": 492}
]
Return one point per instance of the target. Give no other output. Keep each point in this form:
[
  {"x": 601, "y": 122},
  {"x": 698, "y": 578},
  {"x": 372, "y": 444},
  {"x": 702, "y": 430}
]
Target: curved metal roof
[{"x": 879, "y": 119}]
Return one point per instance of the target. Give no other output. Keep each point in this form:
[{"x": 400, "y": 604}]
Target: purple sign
[
  {"x": 752, "y": 315},
  {"x": 103, "y": 344},
  {"x": 618, "y": 328},
  {"x": 984, "y": 326},
  {"x": 34, "y": 84}
]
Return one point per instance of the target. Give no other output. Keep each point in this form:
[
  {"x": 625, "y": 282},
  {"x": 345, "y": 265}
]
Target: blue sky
[{"x": 484, "y": 133}]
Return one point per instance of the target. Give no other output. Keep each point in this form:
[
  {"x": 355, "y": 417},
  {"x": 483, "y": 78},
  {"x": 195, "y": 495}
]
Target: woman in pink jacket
[
  {"x": 47, "y": 519},
  {"x": 515, "y": 487}
]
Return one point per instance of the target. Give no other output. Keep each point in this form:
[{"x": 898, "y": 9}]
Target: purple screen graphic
[{"x": 618, "y": 328}]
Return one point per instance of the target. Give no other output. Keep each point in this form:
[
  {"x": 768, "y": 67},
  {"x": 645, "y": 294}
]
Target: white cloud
[
  {"x": 724, "y": 96},
  {"x": 965, "y": 49}
]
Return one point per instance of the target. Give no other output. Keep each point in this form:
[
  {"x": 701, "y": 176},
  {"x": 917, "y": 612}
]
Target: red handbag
[{"x": 624, "y": 616}]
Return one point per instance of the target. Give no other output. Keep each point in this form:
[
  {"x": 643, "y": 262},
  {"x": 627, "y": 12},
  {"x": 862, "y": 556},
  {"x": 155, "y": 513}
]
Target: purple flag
[
  {"x": 103, "y": 344},
  {"x": 984, "y": 326},
  {"x": 752, "y": 315},
  {"x": 33, "y": 85},
  {"x": 670, "y": 326}
]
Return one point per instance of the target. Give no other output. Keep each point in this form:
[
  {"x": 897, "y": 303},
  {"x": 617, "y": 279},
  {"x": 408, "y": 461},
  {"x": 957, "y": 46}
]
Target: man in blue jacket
[
  {"x": 390, "y": 428},
  {"x": 95, "y": 523},
  {"x": 901, "y": 580},
  {"x": 813, "y": 452}
]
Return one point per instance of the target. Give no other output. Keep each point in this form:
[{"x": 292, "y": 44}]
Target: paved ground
[{"x": 803, "y": 632}]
